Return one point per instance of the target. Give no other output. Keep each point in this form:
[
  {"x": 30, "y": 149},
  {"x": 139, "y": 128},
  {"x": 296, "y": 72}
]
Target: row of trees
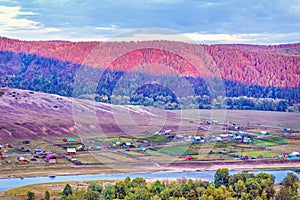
[
  {"x": 196, "y": 102},
  {"x": 244, "y": 186}
]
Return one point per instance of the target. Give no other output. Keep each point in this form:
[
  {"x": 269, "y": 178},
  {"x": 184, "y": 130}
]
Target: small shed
[
  {"x": 71, "y": 151},
  {"x": 188, "y": 157}
]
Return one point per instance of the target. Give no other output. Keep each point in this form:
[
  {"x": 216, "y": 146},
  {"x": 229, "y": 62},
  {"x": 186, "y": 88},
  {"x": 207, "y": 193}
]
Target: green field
[
  {"x": 177, "y": 150},
  {"x": 272, "y": 141},
  {"x": 255, "y": 154}
]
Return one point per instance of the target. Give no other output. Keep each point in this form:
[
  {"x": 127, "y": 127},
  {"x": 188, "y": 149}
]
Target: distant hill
[
  {"x": 127, "y": 72},
  {"x": 273, "y": 65}
]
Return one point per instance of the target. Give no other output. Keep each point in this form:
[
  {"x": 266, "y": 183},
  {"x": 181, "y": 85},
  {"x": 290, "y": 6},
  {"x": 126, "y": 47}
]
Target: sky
[{"x": 199, "y": 21}]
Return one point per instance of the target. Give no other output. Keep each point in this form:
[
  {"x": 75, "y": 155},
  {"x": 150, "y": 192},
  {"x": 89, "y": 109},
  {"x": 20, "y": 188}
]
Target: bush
[{"x": 30, "y": 195}]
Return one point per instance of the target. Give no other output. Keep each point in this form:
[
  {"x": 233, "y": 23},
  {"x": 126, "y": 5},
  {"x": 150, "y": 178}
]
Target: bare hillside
[{"x": 32, "y": 115}]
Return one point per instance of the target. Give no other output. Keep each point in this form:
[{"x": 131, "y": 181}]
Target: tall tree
[{"x": 221, "y": 177}]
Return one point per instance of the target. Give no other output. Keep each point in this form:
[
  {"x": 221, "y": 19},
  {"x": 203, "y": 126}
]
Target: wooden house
[{"x": 71, "y": 151}]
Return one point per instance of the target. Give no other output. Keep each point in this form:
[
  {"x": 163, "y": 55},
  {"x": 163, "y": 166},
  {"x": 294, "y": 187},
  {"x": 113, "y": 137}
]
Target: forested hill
[
  {"x": 254, "y": 77},
  {"x": 274, "y": 65}
]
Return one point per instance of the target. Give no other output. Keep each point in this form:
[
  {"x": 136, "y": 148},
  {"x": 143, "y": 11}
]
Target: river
[{"x": 208, "y": 175}]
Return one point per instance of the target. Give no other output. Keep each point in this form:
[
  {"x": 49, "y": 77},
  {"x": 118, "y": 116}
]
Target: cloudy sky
[{"x": 201, "y": 21}]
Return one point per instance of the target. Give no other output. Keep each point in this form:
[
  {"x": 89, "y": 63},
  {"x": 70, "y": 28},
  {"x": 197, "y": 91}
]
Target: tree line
[{"x": 243, "y": 186}]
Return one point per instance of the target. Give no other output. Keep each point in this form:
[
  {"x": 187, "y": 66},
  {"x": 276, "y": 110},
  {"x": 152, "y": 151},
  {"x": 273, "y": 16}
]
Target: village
[{"x": 232, "y": 144}]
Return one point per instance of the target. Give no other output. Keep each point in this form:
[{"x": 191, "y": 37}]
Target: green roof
[{"x": 70, "y": 139}]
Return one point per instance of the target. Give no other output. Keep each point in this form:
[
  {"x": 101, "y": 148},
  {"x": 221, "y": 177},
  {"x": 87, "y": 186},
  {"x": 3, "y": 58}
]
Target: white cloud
[
  {"x": 14, "y": 24},
  {"x": 10, "y": 19}
]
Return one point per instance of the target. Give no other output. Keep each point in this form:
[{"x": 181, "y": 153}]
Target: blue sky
[{"x": 202, "y": 21}]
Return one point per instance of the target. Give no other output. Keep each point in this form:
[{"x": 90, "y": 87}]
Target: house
[
  {"x": 118, "y": 144},
  {"x": 22, "y": 160},
  {"x": 38, "y": 150},
  {"x": 7, "y": 146},
  {"x": 71, "y": 151},
  {"x": 238, "y": 138},
  {"x": 188, "y": 157},
  {"x": 26, "y": 142},
  {"x": 128, "y": 144},
  {"x": 247, "y": 140},
  {"x": 294, "y": 154},
  {"x": 284, "y": 154},
  {"x": 51, "y": 158},
  {"x": 244, "y": 157},
  {"x": 142, "y": 149},
  {"x": 197, "y": 139},
  {"x": 225, "y": 136},
  {"x": 171, "y": 137},
  {"x": 264, "y": 132},
  {"x": 80, "y": 148},
  {"x": 70, "y": 140},
  {"x": 288, "y": 130}
]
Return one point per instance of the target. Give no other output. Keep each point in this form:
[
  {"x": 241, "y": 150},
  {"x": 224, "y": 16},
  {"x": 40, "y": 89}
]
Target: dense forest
[
  {"x": 269, "y": 66},
  {"x": 243, "y": 186},
  {"x": 31, "y": 72}
]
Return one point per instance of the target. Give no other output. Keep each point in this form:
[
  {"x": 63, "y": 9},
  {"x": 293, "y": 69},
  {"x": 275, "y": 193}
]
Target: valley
[{"x": 48, "y": 135}]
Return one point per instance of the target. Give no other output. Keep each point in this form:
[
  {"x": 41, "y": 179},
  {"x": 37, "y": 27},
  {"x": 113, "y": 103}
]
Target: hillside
[
  {"x": 31, "y": 115},
  {"x": 267, "y": 66}
]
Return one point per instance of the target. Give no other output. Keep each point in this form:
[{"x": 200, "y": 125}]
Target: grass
[
  {"x": 271, "y": 141},
  {"x": 177, "y": 150},
  {"x": 158, "y": 139},
  {"x": 257, "y": 153},
  {"x": 120, "y": 139}
]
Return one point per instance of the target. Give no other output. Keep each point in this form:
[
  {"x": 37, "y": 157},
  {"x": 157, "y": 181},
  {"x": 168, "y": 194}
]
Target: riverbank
[
  {"x": 23, "y": 172},
  {"x": 18, "y": 188}
]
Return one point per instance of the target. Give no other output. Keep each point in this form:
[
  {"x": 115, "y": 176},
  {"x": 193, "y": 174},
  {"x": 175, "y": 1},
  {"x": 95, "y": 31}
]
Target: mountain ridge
[{"x": 275, "y": 65}]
